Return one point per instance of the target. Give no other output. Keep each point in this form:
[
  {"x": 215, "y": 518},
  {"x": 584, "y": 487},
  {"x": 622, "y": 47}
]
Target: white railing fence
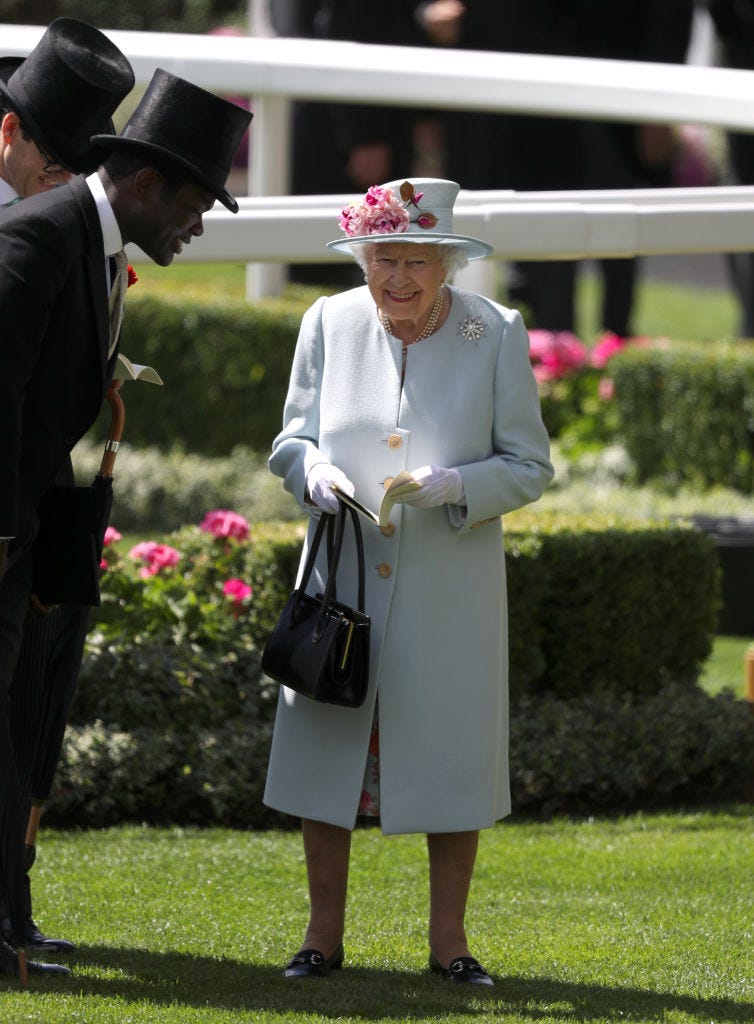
[{"x": 273, "y": 228}]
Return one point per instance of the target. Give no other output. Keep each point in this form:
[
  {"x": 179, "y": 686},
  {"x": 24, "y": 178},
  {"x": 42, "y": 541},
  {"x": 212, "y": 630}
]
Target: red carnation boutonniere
[{"x": 132, "y": 276}]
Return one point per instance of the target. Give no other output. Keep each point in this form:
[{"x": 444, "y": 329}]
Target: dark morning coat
[{"x": 54, "y": 339}]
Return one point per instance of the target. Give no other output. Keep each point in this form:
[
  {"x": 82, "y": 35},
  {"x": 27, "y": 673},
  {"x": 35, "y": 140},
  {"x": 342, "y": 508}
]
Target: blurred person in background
[
  {"x": 734, "y": 25},
  {"x": 345, "y": 147},
  {"x": 533, "y": 153}
]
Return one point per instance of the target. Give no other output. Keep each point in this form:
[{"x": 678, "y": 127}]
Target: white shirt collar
[
  {"x": 7, "y": 194},
  {"x": 111, "y": 236}
]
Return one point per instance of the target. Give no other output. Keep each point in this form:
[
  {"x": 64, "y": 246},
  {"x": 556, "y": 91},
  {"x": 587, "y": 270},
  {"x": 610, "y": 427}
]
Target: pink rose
[
  {"x": 553, "y": 354},
  {"x": 380, "y": 212},
  {"x": 155, "y": 556},
  {"x": 237, "y": 590},
  {"x": 605, "y": 349},
  {"x": 222, "y": 523},
  {"x": 112, "y": 535}
]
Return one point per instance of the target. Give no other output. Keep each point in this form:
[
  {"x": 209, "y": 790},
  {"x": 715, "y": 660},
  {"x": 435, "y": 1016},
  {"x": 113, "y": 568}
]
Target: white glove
[
  {"x": 439, "y": 486},
  {"x": 318, "y": 481}
]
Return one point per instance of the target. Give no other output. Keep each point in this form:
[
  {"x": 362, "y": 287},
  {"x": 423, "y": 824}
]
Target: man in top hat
[
  {"x": 50, "y": 105},
  {"x": 62, "y": 271}
]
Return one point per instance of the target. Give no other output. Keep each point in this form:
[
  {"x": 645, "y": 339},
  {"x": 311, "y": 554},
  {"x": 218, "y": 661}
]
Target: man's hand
[{"x": 41, "y": 609}]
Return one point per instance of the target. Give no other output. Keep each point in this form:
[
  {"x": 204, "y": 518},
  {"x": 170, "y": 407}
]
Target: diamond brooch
[{"x": 472, "y": 329}]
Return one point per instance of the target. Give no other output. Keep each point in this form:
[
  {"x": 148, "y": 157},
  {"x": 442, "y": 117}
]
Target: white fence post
[{"x": 268, "y": 162}]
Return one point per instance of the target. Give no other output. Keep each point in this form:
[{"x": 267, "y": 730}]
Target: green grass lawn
[
  {"x": 665, "y": 309},
  {"x": 724, "y": 669},
  {"x": 643, "y": 919}
]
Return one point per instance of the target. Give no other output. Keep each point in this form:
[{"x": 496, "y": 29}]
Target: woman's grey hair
[{"x": 452, "y": 257}]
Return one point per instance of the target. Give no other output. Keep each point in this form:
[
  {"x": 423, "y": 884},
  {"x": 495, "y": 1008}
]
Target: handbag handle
[{"x": 336, "y": 528}]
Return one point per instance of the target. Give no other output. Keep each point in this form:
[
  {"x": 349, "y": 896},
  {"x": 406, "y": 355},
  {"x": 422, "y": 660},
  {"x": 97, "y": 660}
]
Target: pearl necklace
[{"x": 429, "y": 327}]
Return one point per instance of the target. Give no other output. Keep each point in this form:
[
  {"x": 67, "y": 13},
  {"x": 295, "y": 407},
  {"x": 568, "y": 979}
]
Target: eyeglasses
[{"x": 51, "y": 166}]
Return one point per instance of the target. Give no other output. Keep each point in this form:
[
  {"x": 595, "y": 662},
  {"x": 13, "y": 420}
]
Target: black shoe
[
  {"x": 40, "y": 942},
  {"x": 310, "y": 963},
  {"x": 9, "y": 963},
  {"x": 37, "y": 967},
  {"x": 464, "y": 969}
]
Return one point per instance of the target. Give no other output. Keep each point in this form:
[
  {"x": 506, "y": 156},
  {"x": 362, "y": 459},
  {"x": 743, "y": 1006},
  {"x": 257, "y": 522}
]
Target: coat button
[
  {"x": 394, "y": 441},
  {"x": 384, "y": 570},
  {"x": 388, "y": 529}
]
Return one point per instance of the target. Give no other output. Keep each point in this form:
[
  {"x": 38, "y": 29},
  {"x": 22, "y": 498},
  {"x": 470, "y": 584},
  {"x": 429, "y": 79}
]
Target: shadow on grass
[{"x": 141, "y": 976}]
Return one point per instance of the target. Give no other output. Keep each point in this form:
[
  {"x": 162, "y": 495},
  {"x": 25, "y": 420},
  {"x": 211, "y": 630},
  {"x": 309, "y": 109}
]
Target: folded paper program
[{"x": 126, "y": 370}]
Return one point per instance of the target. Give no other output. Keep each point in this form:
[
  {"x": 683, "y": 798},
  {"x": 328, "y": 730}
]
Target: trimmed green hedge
[
  {"x": 585, "y": 755},
  {"x": 687, "y": 412},
  {"x": 609, "y": 622},
  {"x": 604, "y": 604},
  {"x": 225, "y": 369}
]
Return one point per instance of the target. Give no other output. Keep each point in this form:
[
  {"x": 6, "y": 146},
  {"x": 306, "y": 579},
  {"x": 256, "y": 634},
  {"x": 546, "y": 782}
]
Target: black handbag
[{"x": 320, "y": 647}]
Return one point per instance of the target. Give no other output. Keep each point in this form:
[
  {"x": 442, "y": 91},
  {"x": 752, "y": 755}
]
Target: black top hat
[
  {"x": 187, "y": 126},
  {"x": 67, "y": 89}
]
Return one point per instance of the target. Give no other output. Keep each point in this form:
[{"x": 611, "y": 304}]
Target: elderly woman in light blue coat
[{"x": 409, "y": 373}]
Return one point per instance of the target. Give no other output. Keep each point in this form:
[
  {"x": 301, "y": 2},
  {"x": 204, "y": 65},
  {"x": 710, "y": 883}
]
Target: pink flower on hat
[
  {"x": 380, "y": 212},
  {"x": 222, "y": 523}
]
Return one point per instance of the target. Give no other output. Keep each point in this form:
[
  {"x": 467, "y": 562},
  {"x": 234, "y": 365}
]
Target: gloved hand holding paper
[
  {"x": 432, "y": 486},
  {"x": 397, "y": 490},
  {"x": 426, "y": 487}
]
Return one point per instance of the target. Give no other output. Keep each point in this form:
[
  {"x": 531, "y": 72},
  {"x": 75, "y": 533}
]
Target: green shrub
[
  {"x": 687, "y": 412},
  {"x": 173, "y": 717},
  {"x": 225, "y": 368},
  {"x": 604, "y": 604},
  {"x": 622, "y": 752},
  {"x": 161, "y": 490},
  {"x": 591, "y": 754}
]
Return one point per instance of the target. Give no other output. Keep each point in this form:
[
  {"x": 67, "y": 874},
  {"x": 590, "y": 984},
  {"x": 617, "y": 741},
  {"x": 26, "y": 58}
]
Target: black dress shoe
[
  {"x": 37, "y": 967},
  {"x": 9, "y": 963},
  {"x": 464, "y": 969},
  {"x": 310, "y": 963},
  {"x": 41, "y": 943}
]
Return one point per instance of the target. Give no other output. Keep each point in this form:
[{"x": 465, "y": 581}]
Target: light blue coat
[{"x": 436, "y": 587}]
